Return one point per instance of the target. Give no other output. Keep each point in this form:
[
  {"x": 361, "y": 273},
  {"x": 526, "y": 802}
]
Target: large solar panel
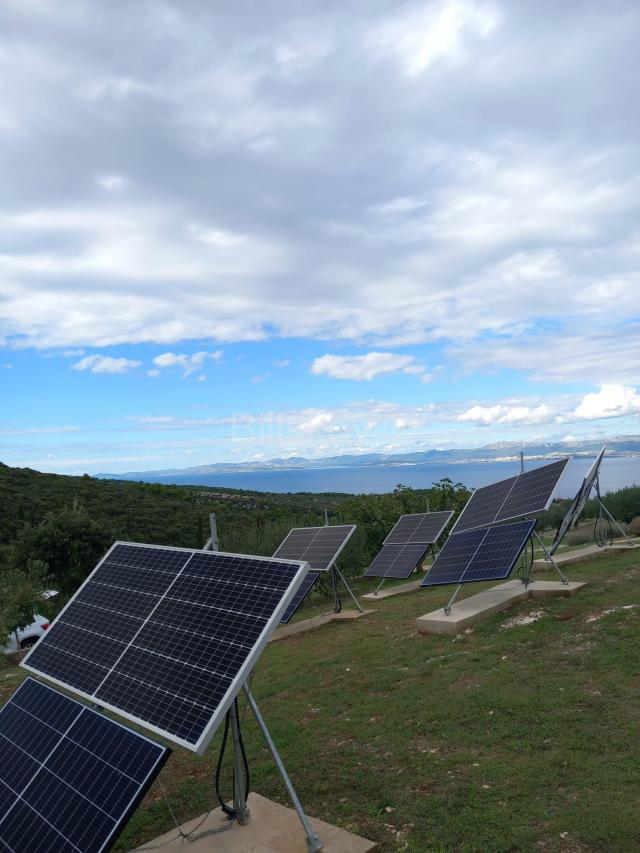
[
  {"x": 69, "y": 776},
  {"x": 319, "y": 546},
  {"x": 303, "y": 591},
  {"x": 578, "y": 504},
  {"x": 483, "y": 554},
  {"x": 167, "y": 636},
  {"x": 424, "y": 527},
  {"x": 396, "y": 561},
  {"x": 524, "y": 494}
]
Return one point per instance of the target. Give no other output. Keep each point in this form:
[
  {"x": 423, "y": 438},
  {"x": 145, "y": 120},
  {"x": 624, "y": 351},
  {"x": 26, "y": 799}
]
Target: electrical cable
[
  {"x": 336, "y": 594},
  {"x": 228, "y": 810},
  {"x": 602, "y": 528}
]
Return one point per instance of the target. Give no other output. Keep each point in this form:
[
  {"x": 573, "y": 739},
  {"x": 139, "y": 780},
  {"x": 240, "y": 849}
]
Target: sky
[{"x": 244, "y": 231}]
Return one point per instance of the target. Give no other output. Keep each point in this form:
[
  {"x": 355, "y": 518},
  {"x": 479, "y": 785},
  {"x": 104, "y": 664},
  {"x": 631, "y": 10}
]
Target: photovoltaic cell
[
  {"x": 482, "y": 554},
  {"x": 69, "y": 776},
  {"x": 303, "y": 590},
  {"x": 524, "y": 494},
  {"x": 172, "y": 653},
  {"x": 396, "y": 561},
  {"x": 578, "y": 504},
  {"x": 319, "y": 546},
  {"x": 419, "y": 527}
]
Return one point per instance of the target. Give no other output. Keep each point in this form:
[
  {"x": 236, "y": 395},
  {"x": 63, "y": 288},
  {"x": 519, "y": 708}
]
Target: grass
[{"x": 500, "y": 739}]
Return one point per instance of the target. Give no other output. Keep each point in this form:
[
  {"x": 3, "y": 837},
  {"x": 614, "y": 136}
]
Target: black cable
[
  {"x": 337, "y": 607},
  {"x": 602, "y": 528},
  {"x": 231, "y": 812}
]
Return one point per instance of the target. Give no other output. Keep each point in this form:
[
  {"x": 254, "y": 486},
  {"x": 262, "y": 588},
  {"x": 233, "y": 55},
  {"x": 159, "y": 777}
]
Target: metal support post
[
  {"x": 348, "y": 588},
  {"x": 447, "y": 607},
  {"x": 549, "y": 557},
  {"x": 313, "y": 841},
  {"x": 612, "y": 519},
  {"x": 379, "y": 587},
  {"x": 243, "y": 815}
]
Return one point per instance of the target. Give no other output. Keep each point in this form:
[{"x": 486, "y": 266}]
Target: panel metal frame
[
  {"x": 319, "y": 527},
  {"x": 519, "y": 516},
  {"x": 237, "y": 683},
  {"x": 144, "y": 786}
]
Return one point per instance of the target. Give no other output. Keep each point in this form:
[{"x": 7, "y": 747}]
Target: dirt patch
[
  {"x": 523, "y": 619},
  {"x": 599, "y": 614}
]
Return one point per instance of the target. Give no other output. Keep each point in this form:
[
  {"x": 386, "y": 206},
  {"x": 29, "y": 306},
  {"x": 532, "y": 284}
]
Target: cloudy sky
[{"x": 244, "y": 230}]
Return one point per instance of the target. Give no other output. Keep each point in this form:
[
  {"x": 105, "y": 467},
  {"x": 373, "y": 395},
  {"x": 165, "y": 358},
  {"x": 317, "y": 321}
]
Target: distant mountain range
[{"x": 626, "y": 445}]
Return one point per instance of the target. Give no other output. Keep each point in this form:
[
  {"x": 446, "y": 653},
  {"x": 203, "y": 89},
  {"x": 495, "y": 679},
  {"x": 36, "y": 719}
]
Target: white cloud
[
  {"x": 362, "y": 367},
  {"x": 504, "y": 414},
  {"x": 112, "y": 183},
  {"x": 187, "y": 363},
  {"x": 320, "y": 423},
  {"x": 106, "y": 364},
  {"x": 611, "y": 401},
  {"x": 7, "y": 365}
]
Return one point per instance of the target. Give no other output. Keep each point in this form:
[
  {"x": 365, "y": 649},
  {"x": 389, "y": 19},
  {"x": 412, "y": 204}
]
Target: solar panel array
[
  {"x": 407, "y": 543},
  {"x": 69, "y": 776},
  {"x": 423, "y": 527},
  {"x": 167, "y": 636},
  {"x": 482, "y": 554},
  {"x": 319, "y": 546},
  {"x": 578, "y": 504},
  {"x": 524, "y": 494}
]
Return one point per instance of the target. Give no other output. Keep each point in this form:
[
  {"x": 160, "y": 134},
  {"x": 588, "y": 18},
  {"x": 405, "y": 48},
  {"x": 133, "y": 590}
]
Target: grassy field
[{"x": 505, "y": 738}]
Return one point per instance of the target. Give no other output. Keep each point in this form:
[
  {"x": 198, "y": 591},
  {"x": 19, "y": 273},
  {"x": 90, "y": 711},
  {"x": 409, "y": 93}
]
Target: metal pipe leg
[
  {"x": 612, "y": 519},
  {"x": 447, "y": 607},
  {"x": 379, "y": 587},
  {"x": 243, "y": 815},
  {"x": 549, "y": 557},
  {"x": 355, "y": 600},
  {"x": 313, "y": 841}
]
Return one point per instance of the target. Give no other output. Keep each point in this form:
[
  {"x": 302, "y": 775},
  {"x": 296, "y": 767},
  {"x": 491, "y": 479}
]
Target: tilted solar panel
[
  {"x": 488, "y": 553},
  {"x": 578, "y": 504},
  {"x": 524, "y": 494},
  {"x": 396, "y": 561},
  {"x": 167, "y": 636},
  {"x": 69, "y": 777},
  {"x": 303, "y": 591},
  {"x": 319, "y": 546},
  {"x": 417, "y": 527}
]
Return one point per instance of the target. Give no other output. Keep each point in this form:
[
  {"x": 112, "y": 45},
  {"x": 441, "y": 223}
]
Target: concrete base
[
  {"x": 273, "y": 829},
  {"x": 400, "y": 589},
  {"x": 474, "y": 609},
  {"x": 305, "y": 625},
  {"x": 578, "y": 555},
  {"x": 350, "y": 615}
]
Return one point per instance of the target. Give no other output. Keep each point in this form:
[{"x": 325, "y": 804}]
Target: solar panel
[
  {"x": 167, "y": 636},
  {"x": 482, "y": 554},
  {"x": 396, "y": 561},
  {"x": 303, "y": 590},
  {"x": 319, "y": 546},
  {"x": 524, "y": 494},
  {"x": 578, "y": 504},
  {"x": 69, "y": 777},
  {"x": 425, "y": 527}
]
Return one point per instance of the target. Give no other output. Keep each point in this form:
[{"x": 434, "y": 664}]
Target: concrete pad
[
  {"x": 301, "y": 627},
  {"x": 350, "y": 615},
  {"x": 554, "y": 589},
  {"x": 579, "y": 555},
  {"x": 273, "y": 829},
  {"x": 400, "y": 589},
  {"x": 474, "y": 609}
]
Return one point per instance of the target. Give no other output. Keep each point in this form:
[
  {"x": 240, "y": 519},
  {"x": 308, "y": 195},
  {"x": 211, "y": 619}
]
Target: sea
[{"x": 615, "y": 473}]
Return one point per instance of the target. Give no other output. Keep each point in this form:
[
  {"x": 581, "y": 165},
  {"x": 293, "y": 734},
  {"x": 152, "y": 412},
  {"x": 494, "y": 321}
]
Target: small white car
[{"x": 28, "y": 636}]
